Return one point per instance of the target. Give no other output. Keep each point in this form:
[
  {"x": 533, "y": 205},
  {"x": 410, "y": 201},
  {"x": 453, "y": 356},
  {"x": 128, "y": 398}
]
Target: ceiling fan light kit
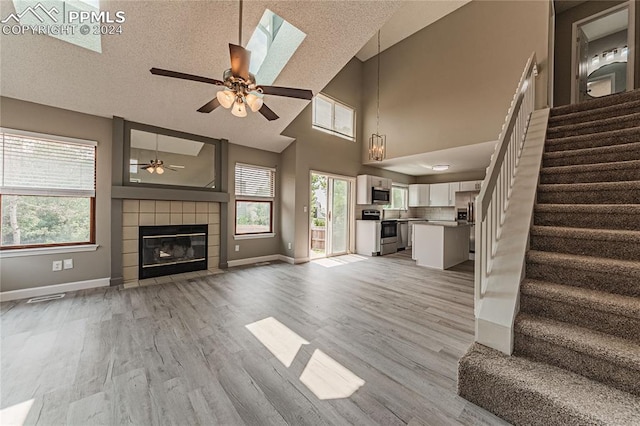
[{"x": 240, "y": 87}]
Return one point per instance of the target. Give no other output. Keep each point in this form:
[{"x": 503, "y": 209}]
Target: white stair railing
[{"x": 493, "y": 200}]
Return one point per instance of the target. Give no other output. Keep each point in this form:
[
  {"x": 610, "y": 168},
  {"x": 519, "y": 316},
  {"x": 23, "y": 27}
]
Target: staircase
[{"x": 576, "y": 359}]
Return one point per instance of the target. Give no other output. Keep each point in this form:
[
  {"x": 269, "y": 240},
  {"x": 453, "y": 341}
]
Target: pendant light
[{"x": 378, "y": 142}]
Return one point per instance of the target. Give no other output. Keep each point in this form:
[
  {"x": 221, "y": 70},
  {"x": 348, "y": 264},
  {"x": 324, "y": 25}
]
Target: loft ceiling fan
[
  {"x": 240, "y": 87},
  {"x": 158, "y": 166}
]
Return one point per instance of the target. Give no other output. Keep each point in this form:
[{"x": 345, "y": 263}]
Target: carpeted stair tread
[
  {"x": 532, "y": 393},
  {"x": 615, "y": 137},
  {"x": 592, "y": 216},
  {"x": 611, "y": 360},
  {"x": 627, "y": 306},
  {"x": 625, "y": 192},
  {"x": 595, "y": 113},
  {"x": 584, "y": 173},
  {"x": 603, "y": 243},
  {"x": 613, "y": 349},
  {"x": 601, "y": 154},
  {"x": 602, "y": 102},
  {"x": 594, "y": 126}
]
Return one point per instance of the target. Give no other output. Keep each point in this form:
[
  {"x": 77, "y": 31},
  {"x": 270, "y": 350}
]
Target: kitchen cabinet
[
  {"x": 419, "y": 195},
  {"x": 364, "y": 183},
  {"x": 440, "y": 195},
  {"x": 473, "y": 185}
]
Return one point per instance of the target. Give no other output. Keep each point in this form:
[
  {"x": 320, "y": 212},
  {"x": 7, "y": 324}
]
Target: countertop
[{"x": 442, "y": 223}]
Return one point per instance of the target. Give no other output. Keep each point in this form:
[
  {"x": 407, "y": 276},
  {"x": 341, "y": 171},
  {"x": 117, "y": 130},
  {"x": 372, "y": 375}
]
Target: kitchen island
[{"x": 440, "y": 245}]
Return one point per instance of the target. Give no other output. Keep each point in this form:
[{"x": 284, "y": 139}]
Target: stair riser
[
  {"x": 591, "y": 176},
  {"x": 593, "y": 141},
  {"x": 607, "y": 157},
  {"x": 583, "y": 220},
  {"x": 517, "y": 405},
  {"x": 588, "y": 129},
  {"x": 622, "y": 250},
  {"x": 615, "y": 375},
  {"x": 607, "y": 281},
  {"x": 598, "y": 114},
  {"x": 587, "y": 317},
  {"x": 602, "y": 102},
  {"x": 589, "y": 197}
]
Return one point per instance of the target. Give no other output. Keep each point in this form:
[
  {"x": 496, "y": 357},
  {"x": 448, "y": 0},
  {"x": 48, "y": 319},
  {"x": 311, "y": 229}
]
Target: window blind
[
  {"x": 35, "y": 166},
  {"x": 255, "y": 181}
]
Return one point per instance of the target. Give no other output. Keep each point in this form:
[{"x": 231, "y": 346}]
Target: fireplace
[{"x": 171, "y": 249}]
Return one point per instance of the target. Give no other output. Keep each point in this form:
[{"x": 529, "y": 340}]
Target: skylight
[
  {"x": 272, "y": 45},
  {"x": 53, "y": 17}
]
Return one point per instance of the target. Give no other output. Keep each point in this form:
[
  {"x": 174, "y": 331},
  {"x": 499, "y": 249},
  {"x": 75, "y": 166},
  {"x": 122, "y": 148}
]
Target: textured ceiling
[{"x": 191, "y": 37}]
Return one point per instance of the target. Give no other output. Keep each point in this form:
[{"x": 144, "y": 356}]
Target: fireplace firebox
[{"x": 171, "y": 249}]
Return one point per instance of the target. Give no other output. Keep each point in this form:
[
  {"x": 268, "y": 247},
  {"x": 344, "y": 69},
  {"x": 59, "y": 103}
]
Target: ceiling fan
[
  {"x": 158, "y": 166},
  {"x": 240, "y": 87}
]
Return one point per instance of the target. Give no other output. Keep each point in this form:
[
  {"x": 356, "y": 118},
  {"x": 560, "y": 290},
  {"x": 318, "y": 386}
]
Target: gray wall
[
  {"x": 259, "y": 246},
  {"x": 323, "y": 152},
  {"x": 35, "y": 271},
  {"x": 562, "y": 64},
  {"x": 451, "y": 83},
  {"x": 452, "y": 177}
]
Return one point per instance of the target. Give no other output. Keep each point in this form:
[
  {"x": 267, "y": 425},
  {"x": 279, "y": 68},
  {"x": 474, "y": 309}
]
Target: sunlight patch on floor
[
  {"x": 16, "y": 414},
  {"x": 328, "y": 379},
  {"x": 281, "y": 341},
  {"x": 331, "y": 262}
]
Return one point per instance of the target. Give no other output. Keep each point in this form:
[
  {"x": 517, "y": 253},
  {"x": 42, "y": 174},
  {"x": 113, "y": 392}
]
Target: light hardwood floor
[{"x": 179, "y": 353}]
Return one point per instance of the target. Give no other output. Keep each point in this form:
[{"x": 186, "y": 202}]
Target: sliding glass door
[{"x": 330, "y": 215}]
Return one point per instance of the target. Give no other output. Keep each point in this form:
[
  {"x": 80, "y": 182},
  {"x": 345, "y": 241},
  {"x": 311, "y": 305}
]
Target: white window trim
[
  {"x": 39, "y": 251},
  {"x": 45, "y": 136},
  {"x": 333, "y": 103},
  {"x": 253, "y": 236}
]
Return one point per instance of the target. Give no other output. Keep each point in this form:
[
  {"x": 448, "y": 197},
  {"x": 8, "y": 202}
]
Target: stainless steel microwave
[{"x": 380, "y": 196}]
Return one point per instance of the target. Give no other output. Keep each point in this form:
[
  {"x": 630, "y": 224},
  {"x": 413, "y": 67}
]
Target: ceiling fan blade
[
  {"x": 183, "y": 76},
  {"x": 289, "y": 92},
  {"x": 240, "y": 58},
  {"x": 268, "y": 113},
  {"x": 210, "y": 106}
]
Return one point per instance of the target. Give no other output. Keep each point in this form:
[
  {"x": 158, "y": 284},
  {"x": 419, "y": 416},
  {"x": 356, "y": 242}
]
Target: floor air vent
[{"x": 46, "y": 298}]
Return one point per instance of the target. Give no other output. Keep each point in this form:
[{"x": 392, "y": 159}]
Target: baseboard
[
  {"x": 53, "y": 289},
  {"x": 252, "y": 260},
  {"x": 288, "y": 259}
]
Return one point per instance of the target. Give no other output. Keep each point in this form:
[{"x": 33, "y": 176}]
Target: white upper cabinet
[
  {"x": 364, "y": 183},
  {"x": 378, "y": 182},
  {"x": 419, "y": 195},
  {"x": 439, "y": 195},
  {"x": 473, "y": 185}
]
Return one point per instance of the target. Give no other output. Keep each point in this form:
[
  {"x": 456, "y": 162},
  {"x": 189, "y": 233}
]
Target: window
[
  {"x": 47, "y": 190},
  {"x": 255, "y": 191},
  {"x": 399, "y": 198},
  {"x": 333, "y": 117}
]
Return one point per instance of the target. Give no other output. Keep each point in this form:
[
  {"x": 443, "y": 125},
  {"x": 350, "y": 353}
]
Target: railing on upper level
[{"x": 492, "y": 202}]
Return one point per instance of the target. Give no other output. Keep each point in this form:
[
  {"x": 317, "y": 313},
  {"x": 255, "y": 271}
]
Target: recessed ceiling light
[{"x": 440, "y": 167}]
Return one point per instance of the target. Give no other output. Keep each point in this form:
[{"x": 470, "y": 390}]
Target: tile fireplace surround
[{"x": 137, "y": 213}]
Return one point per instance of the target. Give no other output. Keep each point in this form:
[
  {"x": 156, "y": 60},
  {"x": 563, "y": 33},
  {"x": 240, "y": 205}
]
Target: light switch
[
  {"x": 57, "y": 265},
  {"x": 68, "y": 264}
]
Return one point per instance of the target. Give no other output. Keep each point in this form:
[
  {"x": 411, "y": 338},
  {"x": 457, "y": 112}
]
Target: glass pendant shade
[
  {"x": 239, "y": 109},
  {"x": 150, "y": 169},
  {"x": 226, "y": 98},
  {"x": 160, "y": 170},
  {"x": 254, "y": 102}
]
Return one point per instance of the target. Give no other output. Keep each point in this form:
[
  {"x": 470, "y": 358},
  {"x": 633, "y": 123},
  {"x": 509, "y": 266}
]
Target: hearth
[{"x": 171, "y": 249}]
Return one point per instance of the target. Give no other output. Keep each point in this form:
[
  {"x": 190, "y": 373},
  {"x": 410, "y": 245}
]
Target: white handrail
[{"x": 495, "y": 192}]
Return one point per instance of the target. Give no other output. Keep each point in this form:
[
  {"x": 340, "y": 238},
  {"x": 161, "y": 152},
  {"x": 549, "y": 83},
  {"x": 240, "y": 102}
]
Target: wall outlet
[
  {"x": 237, "y": 247},
  {"x": 68, "y": 264},
  {"x": 304, "y": 209},
  {"x": 57, "y": 265},
  {"x": 289, "y": 246}
]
